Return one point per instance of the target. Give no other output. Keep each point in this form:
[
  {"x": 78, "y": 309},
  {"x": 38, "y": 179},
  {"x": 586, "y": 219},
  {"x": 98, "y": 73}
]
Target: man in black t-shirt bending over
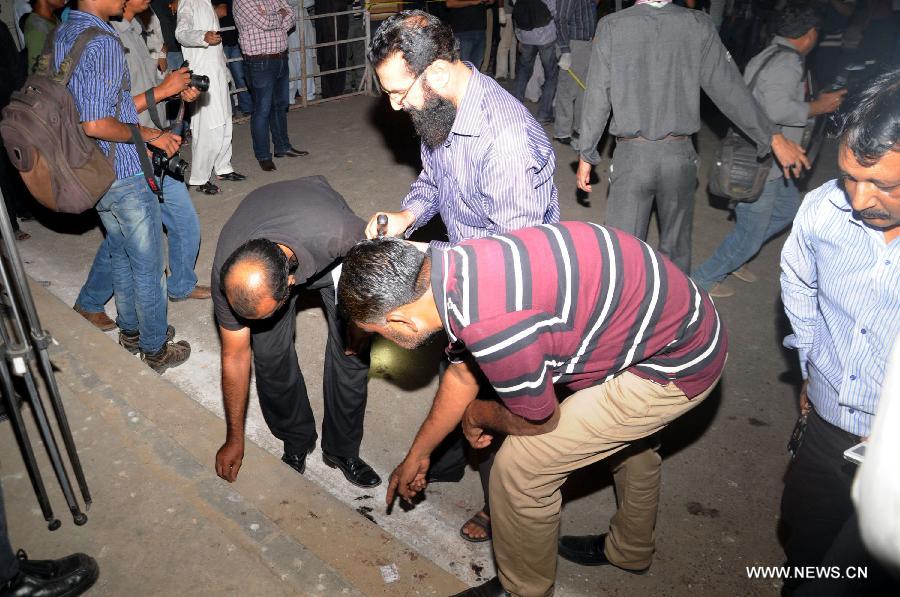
[{"x": 284, "y": 238}]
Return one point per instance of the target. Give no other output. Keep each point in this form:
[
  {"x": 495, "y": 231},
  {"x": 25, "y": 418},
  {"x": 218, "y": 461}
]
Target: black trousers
[
  {"x": 9, "y": 565},
  {"x": 282, "y": 390},
  {"x": 330, "y": 29},
  {"x": 817, "y": 509}
]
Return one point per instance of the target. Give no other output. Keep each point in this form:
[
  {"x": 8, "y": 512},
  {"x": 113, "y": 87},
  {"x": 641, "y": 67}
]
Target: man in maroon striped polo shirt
[{"x": 571, "y": 304}]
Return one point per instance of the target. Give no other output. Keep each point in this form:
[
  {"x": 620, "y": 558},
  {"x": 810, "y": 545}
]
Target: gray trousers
[
  {"x": 666, "y": 170},
  {"x": 569, "y": 94}
]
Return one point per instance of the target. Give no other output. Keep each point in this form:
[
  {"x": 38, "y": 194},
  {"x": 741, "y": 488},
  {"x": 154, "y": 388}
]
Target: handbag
[{"x": 738, "y": 173}]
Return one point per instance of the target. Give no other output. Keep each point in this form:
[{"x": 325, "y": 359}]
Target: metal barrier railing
[{"x": 303, "y": 17}]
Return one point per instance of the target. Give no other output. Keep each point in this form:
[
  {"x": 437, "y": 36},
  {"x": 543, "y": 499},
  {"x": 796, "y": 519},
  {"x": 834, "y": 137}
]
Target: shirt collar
[
  {"x": 838, "y": 198},
  {"x": 469, "y": 116},
  {"x": 783, "y": 41},
  {"x": 87, "y": 19},
  {"x": 438, "y": 286}
]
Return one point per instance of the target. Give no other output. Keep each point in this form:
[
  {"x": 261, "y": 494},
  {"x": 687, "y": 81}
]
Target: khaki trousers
[{"x": 595, "y": 423}]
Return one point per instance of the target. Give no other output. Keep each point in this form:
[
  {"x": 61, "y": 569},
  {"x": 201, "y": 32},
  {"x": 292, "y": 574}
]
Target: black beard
[{"x": 435, "y": 120}]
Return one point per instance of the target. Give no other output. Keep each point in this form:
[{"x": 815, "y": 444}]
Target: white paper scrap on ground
[{"x": 390, "y": 573}]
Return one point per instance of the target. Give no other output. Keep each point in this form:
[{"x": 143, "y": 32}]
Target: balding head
[{"x": 256, "y": 279}]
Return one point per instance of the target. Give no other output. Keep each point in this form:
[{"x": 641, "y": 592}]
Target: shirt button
[
  {"x": 887, "y": 261},
  {"x": 851, "y": 411},
  {"x": 852, "y": 378},
  {"x": 862, "y": 331}
]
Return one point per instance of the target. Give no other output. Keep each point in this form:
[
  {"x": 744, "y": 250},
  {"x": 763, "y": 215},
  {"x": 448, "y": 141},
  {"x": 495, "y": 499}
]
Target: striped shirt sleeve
[
  {"x": 422, "y": 199},
  {"x": 799, "y": 286}
]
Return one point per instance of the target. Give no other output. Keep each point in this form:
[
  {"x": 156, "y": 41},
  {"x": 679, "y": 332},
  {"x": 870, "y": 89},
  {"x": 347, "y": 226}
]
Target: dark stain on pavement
[
  {"x": 756, "y": 422},
  {"x": 366, "y": 511},
  {"x": 697, "y": 509}
]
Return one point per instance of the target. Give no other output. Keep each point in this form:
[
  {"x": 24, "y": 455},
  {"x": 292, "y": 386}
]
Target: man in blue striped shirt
[
  {"x": 840, "y": 286},
  {"x": 487, "y": 165},
  {"x": 129, "y": 210}
]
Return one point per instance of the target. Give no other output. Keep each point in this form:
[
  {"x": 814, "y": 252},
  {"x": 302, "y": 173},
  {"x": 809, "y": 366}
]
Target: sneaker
[
  {"x": 742, "y": 273},
  {"x": 719, "y": 290},
  {"x": 171, "y": 354},
  {"x": 130, "y": 340}
]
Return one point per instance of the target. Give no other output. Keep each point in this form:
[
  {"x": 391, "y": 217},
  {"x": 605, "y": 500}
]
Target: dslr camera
[
  {"x": 198, "y": 82},
  {"x": 162, "y": 164}
]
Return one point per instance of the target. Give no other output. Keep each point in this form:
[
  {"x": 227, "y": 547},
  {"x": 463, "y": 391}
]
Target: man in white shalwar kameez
[{"x": 197, "y": 32}]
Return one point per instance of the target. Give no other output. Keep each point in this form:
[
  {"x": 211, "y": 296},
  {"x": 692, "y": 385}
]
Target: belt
[
  {"x": 666, "y": 138},
  {"x": 266, "y": 56}
]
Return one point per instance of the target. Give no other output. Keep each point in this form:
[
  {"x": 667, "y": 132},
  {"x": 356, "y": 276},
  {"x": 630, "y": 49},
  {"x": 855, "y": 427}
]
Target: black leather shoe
[
  {"x": 355, "y": 470},
  {"x": 295, "y": 461},
  {"x": 293, "y": 152},
  {"x": 69, "y": 576},
  {"x": 267, "y": 165},
  {"x": 491, "y": 588},
  {"x": 587, "y": 550}
]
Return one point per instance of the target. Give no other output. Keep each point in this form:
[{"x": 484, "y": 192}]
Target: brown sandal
[{"x": 481, "y": 520}]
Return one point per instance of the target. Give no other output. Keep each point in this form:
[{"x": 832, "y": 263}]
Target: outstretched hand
[{"x": 408, "y": 479}]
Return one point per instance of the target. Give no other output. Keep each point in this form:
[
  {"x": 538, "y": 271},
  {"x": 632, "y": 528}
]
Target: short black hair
[
  {"x": 420, "y": 38},
  {"x": 868, "y": 121},
  {"x": 274, "y": 266},
  {"x": 379, "y": 276},
  {"x": 796, "y": 20}
]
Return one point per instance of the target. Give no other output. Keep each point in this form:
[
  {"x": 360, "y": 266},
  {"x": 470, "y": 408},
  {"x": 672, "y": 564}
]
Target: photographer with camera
[
  {"x": 198, "y": 33},
  {"x": 129, "y": 210},
  {"x": 177, "y": 211}
]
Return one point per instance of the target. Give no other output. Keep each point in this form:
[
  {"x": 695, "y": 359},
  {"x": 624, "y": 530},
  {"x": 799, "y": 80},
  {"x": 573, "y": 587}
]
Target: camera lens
[
  {"x": 200, "y": 82},
  {"x": 177, "y": 166}
]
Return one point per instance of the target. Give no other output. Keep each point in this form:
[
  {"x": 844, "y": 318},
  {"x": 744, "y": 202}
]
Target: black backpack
[{"x": 530, "y": 14}]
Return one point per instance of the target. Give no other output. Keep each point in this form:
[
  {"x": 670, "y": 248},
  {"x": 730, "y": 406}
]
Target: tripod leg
[
  {"x": 18, "y": 425},
  {"x": 40, "y": 415},
  {"x": 63, "y": 422}
]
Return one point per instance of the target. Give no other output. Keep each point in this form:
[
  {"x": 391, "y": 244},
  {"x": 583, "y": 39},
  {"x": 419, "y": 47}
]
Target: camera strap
[
  {"x": 146, "y": 166},
  {"x": 152, "y": 109}
]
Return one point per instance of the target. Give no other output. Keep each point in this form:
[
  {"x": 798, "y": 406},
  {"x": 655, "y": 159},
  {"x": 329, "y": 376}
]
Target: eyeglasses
[{"x": 408, "y": 89}]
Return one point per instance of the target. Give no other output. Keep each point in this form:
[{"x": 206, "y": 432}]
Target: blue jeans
[
  {"x": 131, "y": 256},
  {"x": 183, "y": 233},
  {"x": 244, "y": 101},
  {"x": 756, "y": 223},
  {"x": 269, "y": 84},
  {"x": 471, "y": 46},
  {"x": 174, "y": 59},
  {"x": 524, "y": 68}
]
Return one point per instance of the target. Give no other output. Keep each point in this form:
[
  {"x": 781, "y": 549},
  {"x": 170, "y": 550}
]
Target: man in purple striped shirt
[
  {"x": 487, "y": 164},
  {"x": 574, "y": 304}
]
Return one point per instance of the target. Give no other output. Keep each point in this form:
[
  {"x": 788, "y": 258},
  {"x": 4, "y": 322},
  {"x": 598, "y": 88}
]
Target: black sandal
[
  {"x": 207, "y": 188},
  {"x": 480, "y": 520},
  {"x": 232, "y": 176}
]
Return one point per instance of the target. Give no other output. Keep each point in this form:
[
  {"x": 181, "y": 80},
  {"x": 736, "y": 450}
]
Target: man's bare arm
[
  {"x": 458, "y": 388},
  {"x": 236, "y": 355}
]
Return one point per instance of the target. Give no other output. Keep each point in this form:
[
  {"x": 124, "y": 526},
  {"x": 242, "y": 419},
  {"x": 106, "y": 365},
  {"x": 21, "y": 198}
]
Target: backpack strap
[
  {"x": 42, "y": 66},
  {"x": 68, "y": 64}
]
